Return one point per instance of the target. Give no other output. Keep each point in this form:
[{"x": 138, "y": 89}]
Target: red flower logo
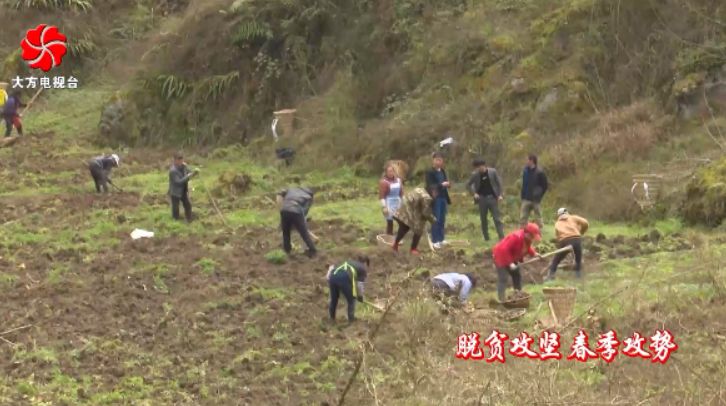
[{"x": 44, "y": 47}]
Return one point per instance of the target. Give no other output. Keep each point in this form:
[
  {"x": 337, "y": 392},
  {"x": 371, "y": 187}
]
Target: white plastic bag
[{"x": 139, "y": 233}]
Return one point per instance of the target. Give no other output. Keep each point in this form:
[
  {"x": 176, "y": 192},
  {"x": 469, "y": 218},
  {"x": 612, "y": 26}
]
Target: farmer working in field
[
  {"x": 534, "y": 187},
  {"x": 296, "y": 203},
  {"x": 11, "y": 114},
  {"x": 100, "y": 168},
  {"x": 347, "y": 278},
  {"x": 486, "y": 186},
  {"x": 437, "y": 184},
  {"x": 454, "y": 284},
  {"x": 3, "y": 93},
  {"x": 179, "y": 176},
  {"x": 509, "y": 252},
  {"x": 415, "y": 211},
  {"x": 390, "y": 191},
  {"x": 569, "y": 230}
]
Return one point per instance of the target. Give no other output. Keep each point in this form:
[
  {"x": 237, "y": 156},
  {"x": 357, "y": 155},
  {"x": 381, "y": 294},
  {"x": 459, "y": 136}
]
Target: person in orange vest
[
  {"x": 509, "y": 252},
  {"x": 569, "y": 230}
]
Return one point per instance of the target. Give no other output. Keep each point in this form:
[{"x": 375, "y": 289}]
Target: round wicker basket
[{"x": 518, "y": 303}]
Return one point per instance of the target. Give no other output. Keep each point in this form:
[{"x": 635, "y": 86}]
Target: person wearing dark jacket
[
  {"x": 534, "y": 187},
  {"x": 347, "y": 278},
  {"x": 11, "y": 114},
  {"x": 296, "y": 203},
  {"x": 437, "y": 184},
  {"x": 179, "y": 175},
  {"x": 486, "y": 187},
  {"x": 100, "y": 168}
]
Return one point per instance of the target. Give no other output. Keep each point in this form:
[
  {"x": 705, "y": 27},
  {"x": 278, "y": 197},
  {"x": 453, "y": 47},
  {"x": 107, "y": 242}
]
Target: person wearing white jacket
[{"x": 454, "y": 284}]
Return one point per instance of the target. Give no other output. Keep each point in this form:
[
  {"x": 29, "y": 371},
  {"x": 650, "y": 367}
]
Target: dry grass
[{"x": 629, "y": 132}]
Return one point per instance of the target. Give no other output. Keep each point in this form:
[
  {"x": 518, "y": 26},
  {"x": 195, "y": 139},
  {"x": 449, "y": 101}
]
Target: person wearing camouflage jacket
[{"x": 416, "y": 209}]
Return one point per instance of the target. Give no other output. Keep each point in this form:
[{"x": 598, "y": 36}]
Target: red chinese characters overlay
[
  {"x": 549, "y": 343},
  {"x": 495, "y": 341},
  {"x": 607, "y": 346},
  {"x": 469, "y": 347},
  {"x": 581, "y": 349},
  {"x": 662, "y": 345},
  {"x": 520, "y": 346},
  {"x": 634, "y": 346}
]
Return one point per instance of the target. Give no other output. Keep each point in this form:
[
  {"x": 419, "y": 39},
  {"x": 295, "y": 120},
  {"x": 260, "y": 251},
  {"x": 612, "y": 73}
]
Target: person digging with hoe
[
  {"x": 415, "y": 211},
  {"x": 349, "y": 279},
  {"x": 179, "y": 176},
  {"x": 11, "y": 114},
  {"x": 569, "y": 230},
  {"x": 296, "y": 204},
  {"x": 100, "y": 168},
  {"x": 509, "y": 252}
]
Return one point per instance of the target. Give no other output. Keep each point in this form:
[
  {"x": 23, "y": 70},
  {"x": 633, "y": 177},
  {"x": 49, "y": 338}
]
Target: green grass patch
[
  {"x": 207, "y": 266},
  {"x": 276, "y": 256},
  {"x": 271, "y": 293},
  {"x": 7, "y": 280},
  {"x": 41, "y": 355},
  {"x": 57, "y": 273}
]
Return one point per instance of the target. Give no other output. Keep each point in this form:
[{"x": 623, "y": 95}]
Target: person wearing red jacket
[{"x": 509, "y": 252}]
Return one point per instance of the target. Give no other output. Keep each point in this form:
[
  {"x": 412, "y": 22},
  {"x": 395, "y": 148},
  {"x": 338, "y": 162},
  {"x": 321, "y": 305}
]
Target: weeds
[
  {"x": 276, "y": 256},
  {"x": 214, "y": 87},
  {"x": 82, "y": 47},
  {"x": 169, "y": 87},
  {"x": 82, "y": 5},
  {"x": 207, "y": 266}
]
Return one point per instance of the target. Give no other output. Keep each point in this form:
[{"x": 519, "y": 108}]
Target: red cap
[{"x": 533, "y": 229}]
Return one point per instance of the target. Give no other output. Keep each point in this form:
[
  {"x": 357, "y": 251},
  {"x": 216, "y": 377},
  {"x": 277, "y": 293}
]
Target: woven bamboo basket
[
  {"x": 518, "y": 303},
  {"x": 562, "y": 300},
  {"x": 286, "y": 119}
]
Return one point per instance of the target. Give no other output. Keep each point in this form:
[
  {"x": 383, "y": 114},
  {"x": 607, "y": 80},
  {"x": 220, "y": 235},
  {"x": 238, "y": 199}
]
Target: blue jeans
[{"x": 437, "y": 230}]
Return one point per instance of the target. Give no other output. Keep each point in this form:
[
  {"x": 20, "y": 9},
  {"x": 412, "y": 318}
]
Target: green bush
[
  {"x": 706, "y": 196},
  {"x": 276, "y": 257}
]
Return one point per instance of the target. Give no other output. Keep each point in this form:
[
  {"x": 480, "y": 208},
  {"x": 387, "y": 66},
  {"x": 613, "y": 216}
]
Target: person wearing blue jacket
[
  {"x": 437, "y": 184},
  {"x": 347, "y": 279}
]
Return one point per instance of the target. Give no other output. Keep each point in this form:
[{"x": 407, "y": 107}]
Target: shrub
[
  {"x": 706, "y": 196},
  {"x": 276, "y": 257}
]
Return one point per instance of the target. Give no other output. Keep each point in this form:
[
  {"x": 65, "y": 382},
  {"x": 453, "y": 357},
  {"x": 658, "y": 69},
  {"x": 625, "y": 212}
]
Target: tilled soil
[{"x": 151, "y": 308}]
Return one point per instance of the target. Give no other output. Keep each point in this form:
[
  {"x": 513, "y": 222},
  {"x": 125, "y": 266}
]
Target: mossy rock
[{"x": 705, "y": 201}]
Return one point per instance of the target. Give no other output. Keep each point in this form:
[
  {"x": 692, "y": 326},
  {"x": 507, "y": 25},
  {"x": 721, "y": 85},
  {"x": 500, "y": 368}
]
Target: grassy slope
[{"x": 412, "y": 359}]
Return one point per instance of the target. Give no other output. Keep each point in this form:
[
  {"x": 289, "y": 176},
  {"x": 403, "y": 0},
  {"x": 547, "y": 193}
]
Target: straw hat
[{"x": 3, "y": 85}]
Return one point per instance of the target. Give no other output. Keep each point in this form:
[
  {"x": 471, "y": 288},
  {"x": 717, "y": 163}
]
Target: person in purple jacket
[{"x": 11, "y": 115}]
